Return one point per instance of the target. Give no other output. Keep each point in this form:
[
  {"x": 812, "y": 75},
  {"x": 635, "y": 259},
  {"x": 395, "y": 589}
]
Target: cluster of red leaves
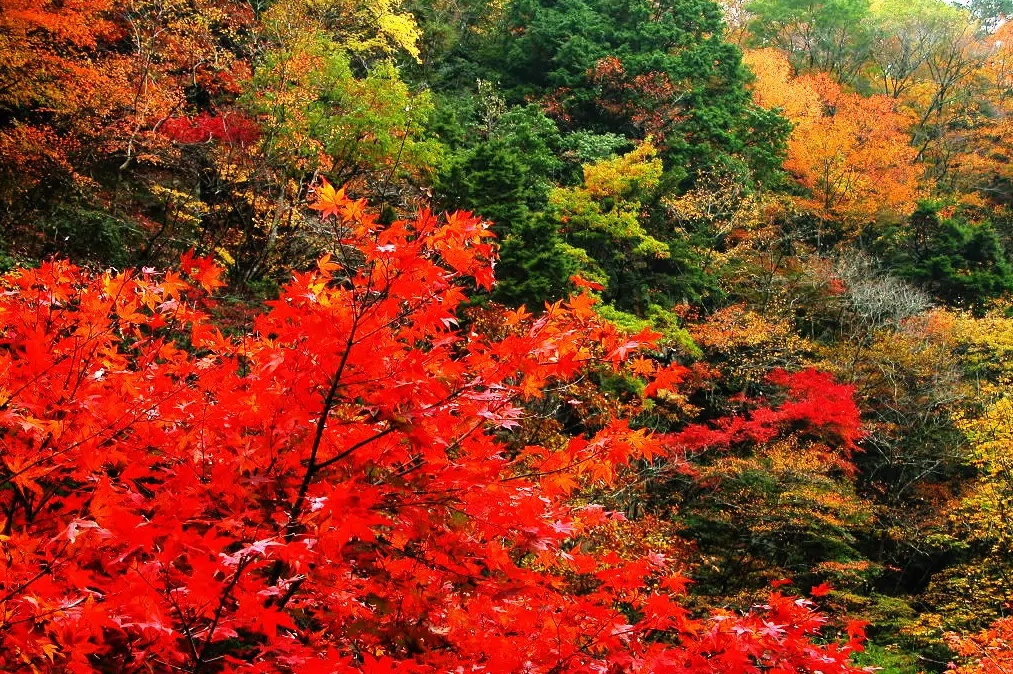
[
  {"x": 325, "y": 494},
  {"x": 814, "y": 404},
  {"x": 230, "y": 128}
]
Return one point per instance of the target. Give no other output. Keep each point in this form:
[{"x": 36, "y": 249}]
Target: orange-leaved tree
[
  {"x": 851, "y": 152},
  {"x": 987, "y": 652},
  {"x": 334, "y": 491}
]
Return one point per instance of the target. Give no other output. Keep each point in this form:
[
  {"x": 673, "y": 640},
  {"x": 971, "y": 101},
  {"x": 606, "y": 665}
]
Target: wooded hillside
[{"x": 536, "y": 336}]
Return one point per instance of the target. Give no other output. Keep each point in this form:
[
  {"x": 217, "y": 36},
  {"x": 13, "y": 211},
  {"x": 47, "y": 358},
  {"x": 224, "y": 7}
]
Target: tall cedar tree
[{"x": 639, "y": 68}]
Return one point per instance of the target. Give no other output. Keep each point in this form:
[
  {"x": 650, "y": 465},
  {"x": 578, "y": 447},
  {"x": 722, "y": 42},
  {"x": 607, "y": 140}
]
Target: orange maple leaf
[{"x": 328, "y": 200}]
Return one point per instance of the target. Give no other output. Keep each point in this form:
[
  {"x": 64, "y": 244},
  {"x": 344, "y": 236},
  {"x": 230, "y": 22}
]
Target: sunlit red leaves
[
  {"x": 666, "y": 379},
  {"x": 814, "y": 404},
  {"x": 202, "y": 270},
  {"x": 328, "y": 201},
  {"x": 856, "y": 628},
  {"x": 821, "y": 590},
  {"x": 581, "y": 282},
  {"x": 326, "y": 493},
  {"x": 820, "y": 404},
  {"x": 229, "y": 128}
]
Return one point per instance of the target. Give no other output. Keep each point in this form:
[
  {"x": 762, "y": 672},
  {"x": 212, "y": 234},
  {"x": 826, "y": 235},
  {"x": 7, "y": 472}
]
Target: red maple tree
[{"x": 331, "y": 492}]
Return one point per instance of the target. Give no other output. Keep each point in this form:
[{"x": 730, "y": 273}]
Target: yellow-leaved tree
[{"x": 603, "y": 221}]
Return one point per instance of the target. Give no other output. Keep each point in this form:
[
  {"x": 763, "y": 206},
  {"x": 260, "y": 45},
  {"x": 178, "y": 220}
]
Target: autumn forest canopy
[{"x": 506, "y": 336}]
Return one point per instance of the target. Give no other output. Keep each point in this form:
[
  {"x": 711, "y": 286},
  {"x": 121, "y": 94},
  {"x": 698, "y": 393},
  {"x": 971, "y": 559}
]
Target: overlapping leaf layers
[{"x": 332, "y": 492}]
